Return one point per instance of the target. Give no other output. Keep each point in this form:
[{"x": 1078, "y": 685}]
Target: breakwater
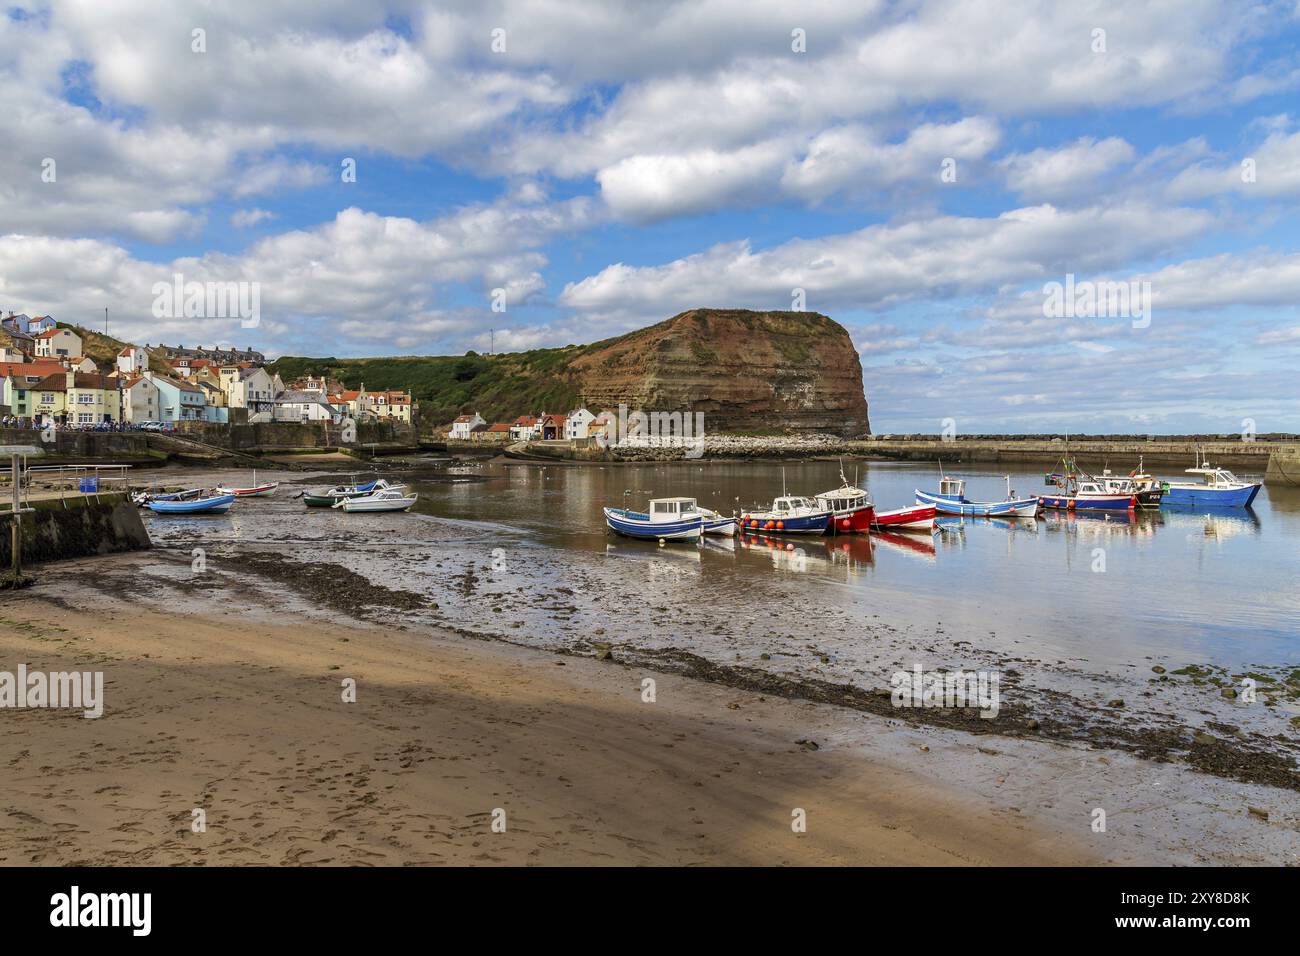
[{"x": 1119, "y": 452}]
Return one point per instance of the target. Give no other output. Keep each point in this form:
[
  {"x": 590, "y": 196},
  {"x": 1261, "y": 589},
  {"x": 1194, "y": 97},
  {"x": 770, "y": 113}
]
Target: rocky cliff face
[{"x": 746, "y": 371}]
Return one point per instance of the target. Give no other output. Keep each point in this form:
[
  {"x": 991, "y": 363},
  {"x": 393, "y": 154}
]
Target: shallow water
[{"x": 1101, "y": 593}]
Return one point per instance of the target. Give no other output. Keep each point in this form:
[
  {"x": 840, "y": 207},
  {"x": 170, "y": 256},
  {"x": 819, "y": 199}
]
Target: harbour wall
[
  {"x": 79, "y": 527},
  {"x": 1284, "y": 466}
]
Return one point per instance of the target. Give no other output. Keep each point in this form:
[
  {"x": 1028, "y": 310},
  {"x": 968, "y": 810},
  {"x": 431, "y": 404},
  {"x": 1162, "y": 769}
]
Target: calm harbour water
[{"x": 1178, "y": 586}]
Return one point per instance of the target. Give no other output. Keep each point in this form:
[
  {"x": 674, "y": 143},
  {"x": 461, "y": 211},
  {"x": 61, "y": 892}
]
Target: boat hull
[
  {"x": 851, "y": 520},
  {"x": 951, "y": 505},
  {"x": 1088, "y": 502},
  {"x": 1198, "y": 496},
  {"x": 219, "y": 504},
  {"x": 723, "y": 527},
  {"x": 804, "y": 524},
  {"x": 634, "y": 524},
  {"x": 914, "y": 518},
  {"x": 362, "y": 506},
  {"x": 262, "y": 491}
]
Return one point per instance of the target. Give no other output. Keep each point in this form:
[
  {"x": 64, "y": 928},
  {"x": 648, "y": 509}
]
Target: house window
[
  {"x": 47, "y": 398},
  {"x": 85, "y": 398},
  {"x": 85, "y": 418}
]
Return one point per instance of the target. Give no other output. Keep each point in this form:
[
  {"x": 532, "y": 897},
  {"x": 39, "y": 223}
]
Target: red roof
[
  {"x": 31, "y": 369},
  {"x": 500, "y": 427},
  {"x": 50, "y": 333},
  {"x": 529, "y": 420},
  {"x": 553, "y": 420}
]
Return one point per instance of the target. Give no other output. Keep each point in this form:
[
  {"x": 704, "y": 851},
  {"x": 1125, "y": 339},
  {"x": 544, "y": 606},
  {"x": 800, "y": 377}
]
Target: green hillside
[{"x": 499, "y": 387}]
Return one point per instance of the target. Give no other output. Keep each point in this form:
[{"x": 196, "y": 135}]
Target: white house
[
  {"x": 523, "y": 428},
  {"x": 141, "y": 400},
  {"x": 299, "y": 405},
  {"x": 577, "y": 422},
  {"x": 463, "y": 427},
  {"x": 8, "y": 355},
  {"x": 132, "y": 360},
  {"x": 58, "y": 343},
  {"x": 79, "y": 363}
]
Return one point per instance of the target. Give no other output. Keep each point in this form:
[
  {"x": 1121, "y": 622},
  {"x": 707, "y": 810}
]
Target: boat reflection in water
[
  {"x": 849, "y": 552},
  {"x": 911, "y": 545}
]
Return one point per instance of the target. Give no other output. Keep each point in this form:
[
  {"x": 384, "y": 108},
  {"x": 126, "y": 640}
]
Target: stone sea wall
[{"x": 75, "y": 528}]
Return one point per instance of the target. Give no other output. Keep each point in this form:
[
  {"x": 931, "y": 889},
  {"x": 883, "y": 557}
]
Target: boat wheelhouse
[
  {"x": 1081, "y": 494},
  {"x": 789, "y": 514},
  {"x": 669, "y": 519},
  {"x": 851, "y": 509}
]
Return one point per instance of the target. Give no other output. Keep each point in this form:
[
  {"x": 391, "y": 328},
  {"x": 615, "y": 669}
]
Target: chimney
[{"x": 70, "y": 379}]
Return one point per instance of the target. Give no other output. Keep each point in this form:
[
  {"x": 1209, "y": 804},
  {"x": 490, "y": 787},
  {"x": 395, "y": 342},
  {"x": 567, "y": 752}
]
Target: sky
[{"x": 416, "y": 178}]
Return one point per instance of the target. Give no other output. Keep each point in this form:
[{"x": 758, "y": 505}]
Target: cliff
[
  {"x": 764, "y": 372},
  {"x": 746, "y": 371}
]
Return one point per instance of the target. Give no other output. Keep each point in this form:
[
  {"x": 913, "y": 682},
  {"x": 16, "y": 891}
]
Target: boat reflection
[
  {"x": 848, "y": 552},
  {"x": 913, "y": 545}
]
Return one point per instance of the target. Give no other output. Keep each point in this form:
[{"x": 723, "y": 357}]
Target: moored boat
[
  {"x": 951, "y": 500},
  {"x": 252, "y": 491},
  {"x": 716, "y": 523},
  {"x": 211, "y": 504},
  {"x": 911, "y": 518},
  {"x": 1078, "y": 494},
  {"x": 669, "y": 519},
  {"x": 388, "y": 499},
  {"x": 851, "y": 508},
  {"x": 789, "y": 514},
  {"x": 1218, "y": 488},
  {"x": 327, "y": 499}
]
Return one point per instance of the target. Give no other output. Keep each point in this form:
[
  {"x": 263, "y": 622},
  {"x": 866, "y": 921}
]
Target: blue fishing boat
[
  {"x": 952, "y": 500},
  {"x": 669, "y": 519},
  {"x": 211, "y": 505},
  {"x": 789, "y": 514},
  {"x": 1218, "y": 488}
]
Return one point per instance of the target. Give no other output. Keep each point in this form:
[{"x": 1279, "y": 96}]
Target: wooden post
[{"x": 16, "y": 533}]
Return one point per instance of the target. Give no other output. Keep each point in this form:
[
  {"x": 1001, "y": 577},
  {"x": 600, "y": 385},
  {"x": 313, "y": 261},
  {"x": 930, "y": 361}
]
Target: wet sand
[{"x": 245, "y": 720}]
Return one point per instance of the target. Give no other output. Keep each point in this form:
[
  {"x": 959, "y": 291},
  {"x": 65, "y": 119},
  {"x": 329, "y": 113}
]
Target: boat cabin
[
  {"x": 952, "y": 488},
  {"x": 670, "y": 510},
  {"x": 1091, "y": 488},
  {"x": 792, "y": 503},
  {"x": 1217, "y": 477},
  {"x": 843, "y": 499}
]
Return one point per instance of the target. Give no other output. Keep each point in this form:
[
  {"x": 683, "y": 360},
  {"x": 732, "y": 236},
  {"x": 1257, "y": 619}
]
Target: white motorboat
[{"x": 389, "y": 499}]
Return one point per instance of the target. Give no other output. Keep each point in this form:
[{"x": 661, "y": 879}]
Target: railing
[{"x": 64, "y": 481}]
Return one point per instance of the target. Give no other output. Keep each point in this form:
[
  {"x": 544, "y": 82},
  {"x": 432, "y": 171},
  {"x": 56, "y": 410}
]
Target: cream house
[
  {"x": 132, "y": 360},
  {"x": 58, "y": 343},
  {"x": 91, "y": 399}
]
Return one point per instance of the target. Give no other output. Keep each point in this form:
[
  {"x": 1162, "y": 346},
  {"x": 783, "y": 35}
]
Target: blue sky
[{"x": 619, "y": 162}]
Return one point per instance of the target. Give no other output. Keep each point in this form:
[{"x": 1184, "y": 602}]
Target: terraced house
[
  {"x": 17, "y": 380},
  {"x": 77, "y": 398}
]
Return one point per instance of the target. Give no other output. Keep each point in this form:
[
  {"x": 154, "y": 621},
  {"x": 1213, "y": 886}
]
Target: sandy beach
[{"x": 246, "y": 721}]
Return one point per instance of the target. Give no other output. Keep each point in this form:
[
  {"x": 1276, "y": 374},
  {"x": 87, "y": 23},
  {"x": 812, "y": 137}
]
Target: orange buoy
[
  {"x": 769, "y": 525},
  {"x": 781, "y": 525}
]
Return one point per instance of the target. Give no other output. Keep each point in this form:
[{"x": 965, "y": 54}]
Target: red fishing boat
[
  {"x": 911, "y": 518},
  {"x": 851, "y": 508}
]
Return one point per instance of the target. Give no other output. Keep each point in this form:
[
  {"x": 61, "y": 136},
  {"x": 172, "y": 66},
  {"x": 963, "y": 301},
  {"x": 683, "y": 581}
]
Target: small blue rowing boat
[
  {"x": 669, "y": 519},
  {"x": 212, "y": 505},
  {"x": 952, "y": 500}
]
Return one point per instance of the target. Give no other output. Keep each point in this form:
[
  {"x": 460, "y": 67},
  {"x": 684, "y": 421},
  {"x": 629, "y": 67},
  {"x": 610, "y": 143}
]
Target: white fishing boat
[
  {"x": 717, "y": 523},
  {"x": 389, "y": 499}
]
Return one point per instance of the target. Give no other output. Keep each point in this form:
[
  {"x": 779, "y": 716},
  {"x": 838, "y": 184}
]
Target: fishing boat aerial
[
  {"x": 211, "y": 504},
  {"x": 1218, "y": 488},
  {"x": 952, "y": 500},
  {"x": 851, "y": 508},
  {"x": 669, "y": 519},
  {"x": 789, "y": 514},
  {"x": 387, "y": 499}
]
